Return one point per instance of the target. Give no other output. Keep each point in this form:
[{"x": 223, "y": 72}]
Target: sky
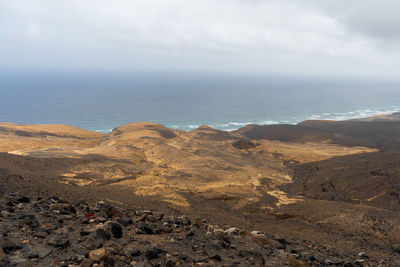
[{"x": 327, "y": 37}]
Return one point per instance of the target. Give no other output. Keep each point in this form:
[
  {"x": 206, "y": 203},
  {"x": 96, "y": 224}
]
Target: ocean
[{"x": 101, "y": 101}]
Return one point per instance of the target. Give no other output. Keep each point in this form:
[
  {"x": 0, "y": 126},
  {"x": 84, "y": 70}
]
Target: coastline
[{"x": 364, "y": 115}]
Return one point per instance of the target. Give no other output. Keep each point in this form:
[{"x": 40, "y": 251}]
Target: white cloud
[
  {"x": 237, "y": 35},
  {"x": 33, "y": 31}
]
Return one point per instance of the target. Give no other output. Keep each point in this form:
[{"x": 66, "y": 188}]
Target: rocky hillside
[
  {"x": 54, "y": 232},
  {"x": 330, "y": 190}
]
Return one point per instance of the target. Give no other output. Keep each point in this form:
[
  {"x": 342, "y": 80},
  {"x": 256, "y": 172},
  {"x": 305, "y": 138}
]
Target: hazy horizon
[{"x": 279, "y": 37}]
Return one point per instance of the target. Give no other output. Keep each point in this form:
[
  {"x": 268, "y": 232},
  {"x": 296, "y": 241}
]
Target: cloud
[
  {"x": 375, "y": 19},
  {"x": 33, "y": 31},
  {"x": 220, "y": 35}
]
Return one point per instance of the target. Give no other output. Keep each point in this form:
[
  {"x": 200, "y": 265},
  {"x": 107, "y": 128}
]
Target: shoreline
[
  {"x": 384, "y": 115},
  {"x": 233, "y": 126},
  {"x": 219, "y": 126}
]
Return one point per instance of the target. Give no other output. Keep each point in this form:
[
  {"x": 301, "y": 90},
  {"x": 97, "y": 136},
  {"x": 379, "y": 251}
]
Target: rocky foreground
[{"x": 53, "y": 232}]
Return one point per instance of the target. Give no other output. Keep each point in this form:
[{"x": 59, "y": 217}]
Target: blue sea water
[{"x": 102, "y": 101}]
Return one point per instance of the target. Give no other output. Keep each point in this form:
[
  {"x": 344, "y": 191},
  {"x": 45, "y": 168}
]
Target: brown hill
[
  {"x": 319, "y": 181},
  {"x": 380, "y": 134}
]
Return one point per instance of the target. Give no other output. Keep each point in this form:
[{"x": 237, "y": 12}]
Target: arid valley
[{"x": 330, "y": 188}]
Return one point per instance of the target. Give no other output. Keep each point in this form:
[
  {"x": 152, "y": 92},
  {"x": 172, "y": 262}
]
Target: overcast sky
[{"x": 351, "y": 37}]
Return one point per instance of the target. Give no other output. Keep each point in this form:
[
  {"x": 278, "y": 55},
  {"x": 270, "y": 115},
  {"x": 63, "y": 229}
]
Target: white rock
[
  {"x": 256, "y": 233},
  {"x": 232, "y": 231}
]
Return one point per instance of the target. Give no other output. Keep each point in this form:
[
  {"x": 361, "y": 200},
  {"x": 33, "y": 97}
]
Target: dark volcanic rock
[
  {"x": 42, "y": 239},
  {"x": 115, "y": 229},
  {"x": 154, "y": 252},
  {"x": 244, "y": 144},
  {"x": 59, "y": 242},
  {"x": 103, "y": 234},
  {"x": 9, "y": 245}
]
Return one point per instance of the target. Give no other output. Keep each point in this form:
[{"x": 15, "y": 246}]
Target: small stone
[
  {"x": 220, "y": 234},
  {"x": 140, "y": 264},
  {"x": 362, "y": 255},
  {"x": 275, "y": 244},
  {"x": 144, "y": 228},
  {"x": 60, "y": 206},
  {"x": 34, "y": 255},
  {"x": 61, "y": 231},
  {"x": 44, "y": 252},
  {"x": 256, "y": 233},
  {"x": 101, "y": 205},
  {"x": 17, "y": 259},
  {"x": 134, "y": 252},
  {"x": 184, "y": 220},
  {"x": 292, "y": 261},
  {"x": 122, "y": 222},
  {"x": 65, "y": 258},
  {"x": 232, "y": 231},
  {"x": 94, "y": 242},
  {"x": 80, "y": 258},
  {"x": 190, "y": 234},
  {"x": 100, "y": 220},
  {"x": 329, "y": 261},
  {"x": 9, "y": 245},
  {"x": 84, "y": 233},
  {"x": 41, "y": 234},
  {"x": 115, "y": 229},
  {"x": 147, "y": 212},
  {"x": 216, "y": 257},
  {"x": 281, "y": 240},
  {"x": 263, "y": 241},
  {"x": 23, "y": 199},
  {"x": 244, "y": 253},
  {"x": 166, "y": 228},
  {"x": 154, "y": 252},
  {"x": 396, "y": 248},
  {"x": 103, "y": 234},
  {"x": 100, "y": 254},
  {"x": 59, "y": 242},
  {"x": 86, "y": 263},
  {"x": 68, "y": 217},
  {"x": 360, "y": 262}
]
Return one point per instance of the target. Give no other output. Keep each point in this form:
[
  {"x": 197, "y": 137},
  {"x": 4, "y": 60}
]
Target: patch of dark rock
[
  {"x": 243, "y": 144},
  {"x": 103, "y": 234},
  {"x": 115, "y": 229},
  {"x": 154, "y": 253},
  {"x": 59, "y": 242},
  {"x": 135, "y": 252},
  {"x": 216, "y": 257},
  {"x": 9, "y": 245}
]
